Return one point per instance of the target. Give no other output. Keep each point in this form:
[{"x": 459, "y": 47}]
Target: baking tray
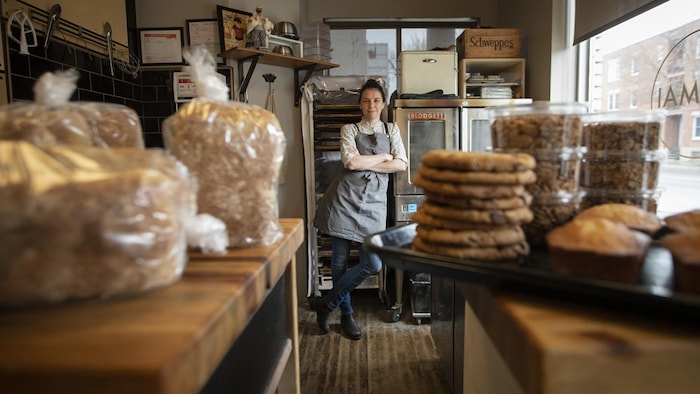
[{"x": 653, "y": 295}]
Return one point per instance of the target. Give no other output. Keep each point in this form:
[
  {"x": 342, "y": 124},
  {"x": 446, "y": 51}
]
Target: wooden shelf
[
  {"x": 255, "y": 56},
  {"x": 276, "y": 59},
  {"x": 511, "y": 69}
]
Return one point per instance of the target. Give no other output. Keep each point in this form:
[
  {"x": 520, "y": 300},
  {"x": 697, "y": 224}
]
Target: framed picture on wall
[
  {"x": 161, "y": 45},
  {"x": 205, "y": 32},
  {"x": 232, "y": 27}
]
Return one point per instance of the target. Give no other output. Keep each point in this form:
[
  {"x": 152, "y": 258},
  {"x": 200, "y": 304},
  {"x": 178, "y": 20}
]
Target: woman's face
[{"x": 371, "y": 104}]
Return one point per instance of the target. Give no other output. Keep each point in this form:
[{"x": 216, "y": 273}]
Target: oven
[
  {"x": 475, "y": 127},
  {"x": 428, "y": 124},
  {"x": 475, "y": 130},
  {"x": 425, "y": 125}
]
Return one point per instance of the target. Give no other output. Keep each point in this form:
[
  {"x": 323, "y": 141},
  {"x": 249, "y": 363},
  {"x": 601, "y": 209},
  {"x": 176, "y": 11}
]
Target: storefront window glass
[{"x": 661, "y": 48}]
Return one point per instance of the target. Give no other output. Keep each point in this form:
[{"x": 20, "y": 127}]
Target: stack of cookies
[{"x": 475, "y": 204}]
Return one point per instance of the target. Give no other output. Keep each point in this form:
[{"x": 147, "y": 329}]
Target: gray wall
[{"x": 534, "y": 18}]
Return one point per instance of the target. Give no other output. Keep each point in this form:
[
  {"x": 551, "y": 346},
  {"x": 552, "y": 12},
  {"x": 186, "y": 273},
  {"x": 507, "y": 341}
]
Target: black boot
[
  {"x": 322, "y": 312},
  {"x": 350, "y": 327}
]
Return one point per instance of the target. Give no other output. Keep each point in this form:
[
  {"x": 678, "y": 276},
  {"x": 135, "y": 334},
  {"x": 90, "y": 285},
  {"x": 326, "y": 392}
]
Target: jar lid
[
  {"x": 538, "y": 108},
  {"x": 621, "y": 156},
  {"x": 640, "y": 116},
  {"x": 624, "y": 194},
  {"x": 563, "y": 154},
  {"x": 560, "y": 198}
]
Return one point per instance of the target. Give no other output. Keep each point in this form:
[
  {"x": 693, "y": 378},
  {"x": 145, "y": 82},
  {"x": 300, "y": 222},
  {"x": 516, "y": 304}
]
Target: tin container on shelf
[
  {"x": 422, "y": 72},
  {"x": 552, "y": 134}
]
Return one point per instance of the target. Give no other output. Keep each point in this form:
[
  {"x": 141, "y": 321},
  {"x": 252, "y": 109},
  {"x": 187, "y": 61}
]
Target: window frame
[
  {"x": 367, "y": 24},
  {"x": 613, "y": 97},
  {"x": 634, "y": 66}
]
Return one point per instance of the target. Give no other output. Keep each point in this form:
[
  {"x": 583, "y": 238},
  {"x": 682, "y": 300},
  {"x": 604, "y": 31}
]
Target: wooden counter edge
[{"x": 534, "y": 334}]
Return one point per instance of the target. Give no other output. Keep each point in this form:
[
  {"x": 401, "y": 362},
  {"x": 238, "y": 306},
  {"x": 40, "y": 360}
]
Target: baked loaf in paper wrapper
[
  {"x": 234, "y": 150},
  {"x": 51, "y": 119},
  {"x": 81, "y": 222}
]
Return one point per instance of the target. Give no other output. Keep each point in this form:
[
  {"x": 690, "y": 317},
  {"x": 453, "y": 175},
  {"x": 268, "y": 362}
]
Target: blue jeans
[{"x": 347, "y": 279}]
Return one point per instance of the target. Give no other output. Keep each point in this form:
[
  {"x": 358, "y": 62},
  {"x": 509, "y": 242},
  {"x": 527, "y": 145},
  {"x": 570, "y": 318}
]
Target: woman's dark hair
[{"x": 372, "y": 84}]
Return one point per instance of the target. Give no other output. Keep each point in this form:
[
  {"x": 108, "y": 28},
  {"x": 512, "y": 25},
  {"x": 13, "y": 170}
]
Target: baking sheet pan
[{"x": 652, "y": 296}]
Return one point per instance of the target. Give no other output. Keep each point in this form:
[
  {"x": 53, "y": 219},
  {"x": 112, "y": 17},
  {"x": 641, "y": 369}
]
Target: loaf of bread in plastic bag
[
  {"x": 82, "y": 222},
  {"x": 80, "y": 123},
  {"x": 52, "y": 119},
  {"x": 235, "y": 151}
]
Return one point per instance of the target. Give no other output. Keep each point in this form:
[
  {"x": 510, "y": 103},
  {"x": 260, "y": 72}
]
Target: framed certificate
[
  {"x": 161, "y": 45},
  {"x": 205, "y": 32}
]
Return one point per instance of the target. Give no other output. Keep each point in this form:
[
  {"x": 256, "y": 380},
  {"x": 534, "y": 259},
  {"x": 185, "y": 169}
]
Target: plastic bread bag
[
  {"x": 208, "y": 234},
  {"x": 338, "y": 89},
  {"x": 53, "y": 119},
  {"x": 83, "y": 222},
  {"x": 234, "y": 149}
]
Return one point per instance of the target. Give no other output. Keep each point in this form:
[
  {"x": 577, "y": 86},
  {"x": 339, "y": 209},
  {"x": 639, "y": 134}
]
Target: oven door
[
  {"x": 476, "y": 130},
  {"x": 423, "y": 130}
]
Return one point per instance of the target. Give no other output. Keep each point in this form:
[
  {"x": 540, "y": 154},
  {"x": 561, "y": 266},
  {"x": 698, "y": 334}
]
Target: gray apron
[{"x": 355, "y": 203}]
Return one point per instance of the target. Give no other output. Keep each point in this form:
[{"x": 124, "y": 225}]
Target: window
[
  {"x": 613, "y": 70},
  {"x": 613, "y": 101},
  {"x": 378, "y": 46},
  {"x": 661, "y": 47},
  {"x": 660, "y": 52}
]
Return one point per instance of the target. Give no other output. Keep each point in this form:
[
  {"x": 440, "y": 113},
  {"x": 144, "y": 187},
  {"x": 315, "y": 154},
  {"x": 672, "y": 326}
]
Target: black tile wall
[
  {"x": 158, "y": 102},
  {"x": 150, "y": 93}
]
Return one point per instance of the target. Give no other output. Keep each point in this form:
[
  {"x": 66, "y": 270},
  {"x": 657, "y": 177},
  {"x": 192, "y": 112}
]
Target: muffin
[
  {"x": 634, "y": 217},
  {"x": 598, "y": 248},
  {"x": 684, "y": 221},
  {"x": 685, "y": 251}
]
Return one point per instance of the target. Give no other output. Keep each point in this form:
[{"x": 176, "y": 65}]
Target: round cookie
[
  {"x": 500, "y": 235},
  {"x": 493, "y": 216},
  {"x": 525, "y": 177},
  {"x": 493, "y": 254},
  {"x": 480, "y": 203},
  {"x": 466, "y": 190},
  {"x": 478, "y": 161},
  {"x": 431, "y": 221}
]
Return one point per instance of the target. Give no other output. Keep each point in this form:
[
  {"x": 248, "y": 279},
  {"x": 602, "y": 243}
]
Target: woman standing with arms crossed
[{"x": 355, "y": 204}]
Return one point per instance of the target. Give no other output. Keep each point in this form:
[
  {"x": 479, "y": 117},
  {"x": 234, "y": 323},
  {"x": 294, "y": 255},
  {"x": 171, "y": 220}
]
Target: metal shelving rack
[{"x": 321, "y": 138}]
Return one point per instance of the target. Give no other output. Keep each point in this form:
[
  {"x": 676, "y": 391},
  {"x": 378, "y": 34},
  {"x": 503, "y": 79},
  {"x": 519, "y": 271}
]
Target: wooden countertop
[
  {"x": 552, "y": 346},
  {"x": 166, "y": 340}
]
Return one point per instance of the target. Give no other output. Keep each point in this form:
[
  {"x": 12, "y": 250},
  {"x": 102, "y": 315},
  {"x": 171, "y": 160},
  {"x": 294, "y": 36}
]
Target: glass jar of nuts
[
  {"x": 552, "y": 134},
  {"x": 621, "y": 164}
]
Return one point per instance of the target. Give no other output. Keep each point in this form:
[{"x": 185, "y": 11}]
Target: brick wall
[{"x": 149, "y": 93}]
